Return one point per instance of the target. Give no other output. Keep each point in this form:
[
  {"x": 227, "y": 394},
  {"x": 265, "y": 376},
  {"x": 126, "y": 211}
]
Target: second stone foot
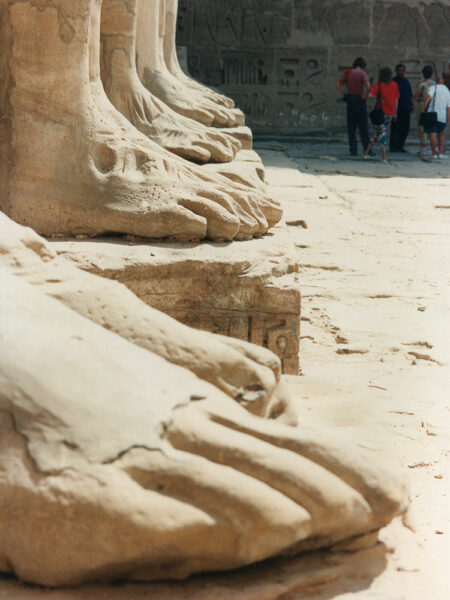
[
  {"x": 113, "y": 182},
  {"x": 152, "y": 117}
]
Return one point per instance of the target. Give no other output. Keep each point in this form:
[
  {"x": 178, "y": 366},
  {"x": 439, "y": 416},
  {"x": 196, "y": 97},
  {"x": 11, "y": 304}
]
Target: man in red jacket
[{"x": 358, "y": 86}]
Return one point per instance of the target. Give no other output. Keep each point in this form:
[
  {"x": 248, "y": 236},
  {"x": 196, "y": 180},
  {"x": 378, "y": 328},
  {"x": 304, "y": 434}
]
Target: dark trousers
[
  {"x": 400, "y": 130},
  {"x": 357, "y": 118}
]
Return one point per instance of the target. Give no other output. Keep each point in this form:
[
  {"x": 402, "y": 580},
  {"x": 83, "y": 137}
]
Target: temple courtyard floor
[{"x": 373, "y": 243}]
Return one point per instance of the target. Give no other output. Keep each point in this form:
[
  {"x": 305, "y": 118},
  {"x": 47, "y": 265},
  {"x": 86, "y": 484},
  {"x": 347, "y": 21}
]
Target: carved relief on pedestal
[
  {"x": 262, "y": 303},
  {"x": 278, "y": 332}
]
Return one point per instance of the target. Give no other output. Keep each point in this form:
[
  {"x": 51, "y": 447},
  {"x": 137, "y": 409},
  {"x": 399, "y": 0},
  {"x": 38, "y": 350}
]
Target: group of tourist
[{"x": 395, "y": 101}]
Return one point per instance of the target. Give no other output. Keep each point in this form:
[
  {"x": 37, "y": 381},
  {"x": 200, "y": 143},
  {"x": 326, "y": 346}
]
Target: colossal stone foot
[
  {"x": 184, "y": 137},
  {"x": 245, "y": 372},
  {"x": 187, "y": 101},
  {"x": 248, "y": 194},
  {"x": 173, "y": 65},
  {"x": 80, "y": 167},
  {"x": 119, "y": 464},
  {"x": 157, "y": 78},
  {"x": 255, "y": 211},
  {"x": 345, "y": 488}
]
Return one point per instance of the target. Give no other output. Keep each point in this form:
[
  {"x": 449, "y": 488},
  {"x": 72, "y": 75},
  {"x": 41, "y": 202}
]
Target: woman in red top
[{"x": 388, "y": 93}]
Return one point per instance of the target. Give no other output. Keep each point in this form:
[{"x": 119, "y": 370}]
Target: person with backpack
[
  {"x": 400, "y": 127},
  {"x": 419, "y": 97},
  {"x": 436, "y": 116},
  {"x": 387, "y": 94}
]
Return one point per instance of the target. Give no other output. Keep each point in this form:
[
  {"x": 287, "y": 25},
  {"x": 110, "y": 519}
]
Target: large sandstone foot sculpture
[
  {"x": 247, "y": 373},
  {"x": 116, "y": 463},
  {"x": 79, "y": 166},
  {"x": 180, "y": 135},
  {"x": 173, "y": 65},
  {"x": 157, "y": 78}
]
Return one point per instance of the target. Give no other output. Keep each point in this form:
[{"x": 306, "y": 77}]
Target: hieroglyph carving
[{"x": 330, "y": 33}]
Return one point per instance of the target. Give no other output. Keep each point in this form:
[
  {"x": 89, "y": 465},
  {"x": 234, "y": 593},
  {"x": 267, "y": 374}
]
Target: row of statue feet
[{"x": 98, "y": 119}]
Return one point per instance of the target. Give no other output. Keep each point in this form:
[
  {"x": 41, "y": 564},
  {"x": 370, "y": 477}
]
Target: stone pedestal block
[{"x": 248, "y": 290}]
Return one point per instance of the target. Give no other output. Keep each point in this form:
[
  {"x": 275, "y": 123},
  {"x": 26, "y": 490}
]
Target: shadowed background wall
[{"x": 279, "y": 59}]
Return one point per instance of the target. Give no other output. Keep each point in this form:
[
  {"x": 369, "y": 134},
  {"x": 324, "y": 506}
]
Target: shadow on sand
[{"x": 311, "y": 576}]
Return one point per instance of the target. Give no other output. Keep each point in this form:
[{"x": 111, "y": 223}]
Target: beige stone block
[{"x": 248, "y": 290}]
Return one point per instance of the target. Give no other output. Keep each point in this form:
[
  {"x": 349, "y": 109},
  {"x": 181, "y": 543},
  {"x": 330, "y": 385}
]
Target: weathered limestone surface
[
  {"x": 279, "y": 60},
  {"x": 118, "y": 463},
  {"x": 248, "y": 290}
]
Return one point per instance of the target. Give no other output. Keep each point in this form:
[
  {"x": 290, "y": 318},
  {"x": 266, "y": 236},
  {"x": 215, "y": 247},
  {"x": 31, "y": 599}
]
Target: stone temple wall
[{"x": 279, "y": 59}]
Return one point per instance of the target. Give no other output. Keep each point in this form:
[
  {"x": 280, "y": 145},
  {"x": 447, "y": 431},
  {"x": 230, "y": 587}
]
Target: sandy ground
[
  {"x": 373, "y": 242},
  {"x": 374, "y": 249}
]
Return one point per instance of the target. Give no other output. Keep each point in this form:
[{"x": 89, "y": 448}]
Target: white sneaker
[
  {"x": 435, "y": 156},
  {"x": 444, "y": 156}
]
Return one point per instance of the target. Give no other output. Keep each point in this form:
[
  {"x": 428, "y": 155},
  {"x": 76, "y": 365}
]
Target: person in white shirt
[
  {"x": 438, "y": 100},
  {"x": 419, "y": 98}
]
